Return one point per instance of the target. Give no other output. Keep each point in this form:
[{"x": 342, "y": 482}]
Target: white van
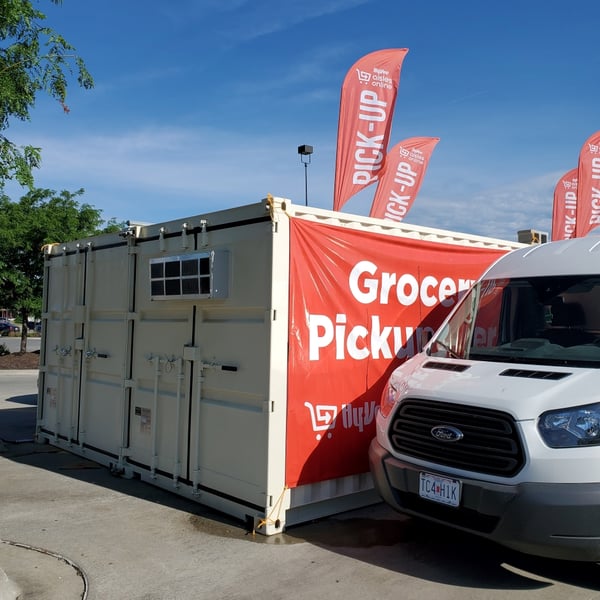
[{"x": 494, "y": 428}]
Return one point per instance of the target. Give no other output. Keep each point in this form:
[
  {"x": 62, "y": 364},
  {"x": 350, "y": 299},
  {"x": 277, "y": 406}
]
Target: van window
[{"x": 538, "y": 320}]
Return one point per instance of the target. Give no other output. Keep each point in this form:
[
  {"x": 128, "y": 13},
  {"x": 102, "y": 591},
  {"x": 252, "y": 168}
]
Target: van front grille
[{"x": 490, "y": 444}]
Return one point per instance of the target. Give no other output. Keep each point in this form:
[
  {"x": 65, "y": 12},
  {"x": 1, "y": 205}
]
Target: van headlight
[
  {"x": 571, "y": 427},
  {"x": 388, "y": 398}
]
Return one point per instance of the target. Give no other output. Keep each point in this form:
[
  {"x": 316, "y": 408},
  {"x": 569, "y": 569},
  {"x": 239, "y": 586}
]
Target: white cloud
[
  {"x": 157, "y": 174},
  {"x": 254, "y": 18},
  {"x": 472, "y": 207},
  {"x": 157, "y": 171},
  {"x": 495, "y": 212}
]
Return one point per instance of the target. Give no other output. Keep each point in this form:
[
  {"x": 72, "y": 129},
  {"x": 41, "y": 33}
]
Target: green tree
[
  {"x": 40, "y": 217},
  {"x": 33, "y": 59}
]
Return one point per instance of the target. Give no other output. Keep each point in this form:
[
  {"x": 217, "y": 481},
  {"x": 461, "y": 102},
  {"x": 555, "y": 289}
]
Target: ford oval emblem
[{"x": 447, "y": 433}]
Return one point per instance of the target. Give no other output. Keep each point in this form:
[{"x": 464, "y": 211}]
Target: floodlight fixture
[{"x": 305, "y": 152}]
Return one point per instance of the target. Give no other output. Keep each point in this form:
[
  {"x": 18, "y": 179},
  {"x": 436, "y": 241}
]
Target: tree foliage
[
  {"x": 33, "y": 59},
  {"x": 40, "y": 217}
]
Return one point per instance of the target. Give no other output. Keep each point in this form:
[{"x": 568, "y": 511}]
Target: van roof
[{"x": 580, "y": 256}]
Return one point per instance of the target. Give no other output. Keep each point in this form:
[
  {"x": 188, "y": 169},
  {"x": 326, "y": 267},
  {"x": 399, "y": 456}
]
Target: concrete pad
[
  {"x": 29, "y": 572},
  {"x": 67, "y": 523}
]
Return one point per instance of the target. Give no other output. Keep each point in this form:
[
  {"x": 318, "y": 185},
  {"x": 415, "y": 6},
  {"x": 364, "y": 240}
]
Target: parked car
[
  {"x": 6, "y": 328},
  {"x": 34, "y": 326}
]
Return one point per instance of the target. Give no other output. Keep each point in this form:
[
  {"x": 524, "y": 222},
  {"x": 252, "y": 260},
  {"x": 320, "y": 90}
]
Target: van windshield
[{"x": 536, "y": 320}]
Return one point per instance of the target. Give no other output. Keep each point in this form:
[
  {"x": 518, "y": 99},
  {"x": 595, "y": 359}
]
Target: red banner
[
  {"x": 564, "y": 211},
  {"x": 367, "y": 105},
  {"x": 399, "y": 184},
  {"x": 588, "y": 186},
  {"x": 359, "y": 305}
]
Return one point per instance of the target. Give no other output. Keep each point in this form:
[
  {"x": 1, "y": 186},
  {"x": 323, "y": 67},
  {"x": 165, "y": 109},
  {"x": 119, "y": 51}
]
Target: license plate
[{"x": 439, "y": 489}]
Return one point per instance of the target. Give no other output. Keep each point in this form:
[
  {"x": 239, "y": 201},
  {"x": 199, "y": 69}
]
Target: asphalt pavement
[{"x": 70, "y": 530}]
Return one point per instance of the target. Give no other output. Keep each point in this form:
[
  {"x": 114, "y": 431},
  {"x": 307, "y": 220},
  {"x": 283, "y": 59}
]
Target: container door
[
  {"x": 60, "y": 375},
  {"x": 106, "y": 349},
  {"x": 160, "y": 384},
  {"x": 231, "y": 354}
]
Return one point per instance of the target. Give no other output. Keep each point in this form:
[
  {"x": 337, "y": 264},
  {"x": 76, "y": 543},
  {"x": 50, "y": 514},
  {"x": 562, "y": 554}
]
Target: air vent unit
[
  {"x": 190, "y": 276},
  {"x": 442, "y": 366},
  {"x": 531, "y": 236},
  {"x": 530, "y": 374}
]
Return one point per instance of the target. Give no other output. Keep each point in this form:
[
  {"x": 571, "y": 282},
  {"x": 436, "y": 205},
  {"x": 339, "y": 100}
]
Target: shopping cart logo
[
  {"x": 323, "y": 418},
  {"x": 363, "y": 76}
]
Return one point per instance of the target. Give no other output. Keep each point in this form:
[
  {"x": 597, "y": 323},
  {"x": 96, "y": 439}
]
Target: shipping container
[{"x": 237, "y": 357}]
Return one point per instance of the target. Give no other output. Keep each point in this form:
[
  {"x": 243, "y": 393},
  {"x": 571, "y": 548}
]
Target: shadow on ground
[{"x": 375, "y": 535}]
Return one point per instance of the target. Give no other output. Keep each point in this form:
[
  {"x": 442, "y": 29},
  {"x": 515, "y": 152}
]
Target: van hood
[{"x": 523, "y": 391}]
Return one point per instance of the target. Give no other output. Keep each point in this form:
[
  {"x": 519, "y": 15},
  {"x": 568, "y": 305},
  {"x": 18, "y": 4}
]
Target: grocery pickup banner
[
  {"x": 359, "y": 303},
  {"x": 403, "y": 173},
  {"x": 564, "y": 211},
  {"x": 588, "y": 186},
  {"x": 367, "y": 103}
]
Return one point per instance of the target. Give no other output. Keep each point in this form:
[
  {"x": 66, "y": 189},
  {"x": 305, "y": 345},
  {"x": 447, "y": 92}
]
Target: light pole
[{"x": 305, "y": 151}]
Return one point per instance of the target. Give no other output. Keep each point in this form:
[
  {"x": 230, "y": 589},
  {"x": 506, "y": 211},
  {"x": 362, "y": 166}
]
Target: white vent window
[{"x": 200, "y": 275}]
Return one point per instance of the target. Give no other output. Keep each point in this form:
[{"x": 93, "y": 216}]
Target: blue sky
[{"x": 200, "y": 105}]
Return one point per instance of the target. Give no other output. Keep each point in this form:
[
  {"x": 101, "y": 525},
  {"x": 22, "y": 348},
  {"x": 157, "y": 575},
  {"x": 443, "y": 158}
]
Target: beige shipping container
[{"x": 165, "y": 356}]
